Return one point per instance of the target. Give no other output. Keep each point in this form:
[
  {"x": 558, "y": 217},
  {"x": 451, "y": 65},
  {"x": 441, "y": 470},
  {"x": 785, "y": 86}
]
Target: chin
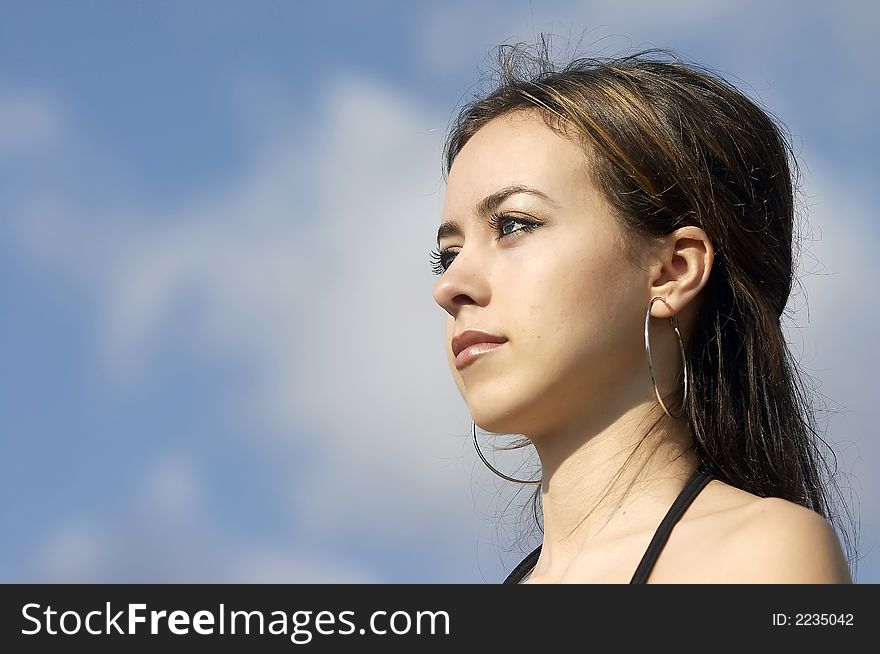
[
  {"x": 498, "y": 402},
  {"x": 495, "y": 417},
  {"x": 502, "y": 413}
]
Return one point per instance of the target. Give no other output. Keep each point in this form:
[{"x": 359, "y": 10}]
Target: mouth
[
  {"x": 469, "y": 354},
  {"x": 473, "y": 343}
]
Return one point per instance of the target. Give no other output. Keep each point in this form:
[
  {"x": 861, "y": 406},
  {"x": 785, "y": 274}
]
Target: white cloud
[
  {"x": 29, "y": 120},
  {"x": 311, "y": 273},
  {"x": 73, "y": 552},
  {"x": 263, "y": 565},
  {"x": 164, "y": 538},
  {"x": 171, "y": 489}
]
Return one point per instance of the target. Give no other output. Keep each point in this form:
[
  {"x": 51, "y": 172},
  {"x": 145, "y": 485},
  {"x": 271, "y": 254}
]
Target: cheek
[
  {"x": 574, "y": 292},
  {"x": 577, "y": 307}
]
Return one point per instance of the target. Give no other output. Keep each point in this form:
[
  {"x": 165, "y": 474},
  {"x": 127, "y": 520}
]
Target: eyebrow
[{"x": 489, "y": 204}]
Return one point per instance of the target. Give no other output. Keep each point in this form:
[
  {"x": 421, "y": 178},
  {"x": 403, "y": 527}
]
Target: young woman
[{"x": 615, "y": 258}]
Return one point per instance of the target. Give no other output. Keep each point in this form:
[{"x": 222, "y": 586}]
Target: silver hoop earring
[
  {"x": 492, "y": 468},
  {"x": 651, "y": 362}
]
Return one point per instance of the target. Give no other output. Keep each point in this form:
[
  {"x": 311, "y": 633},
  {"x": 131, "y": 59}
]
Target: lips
[
  {"x": 471, "y": 343},
  {"x": 472, "y": 337}
]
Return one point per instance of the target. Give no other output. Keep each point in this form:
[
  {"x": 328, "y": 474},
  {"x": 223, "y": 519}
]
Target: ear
[{"x": 681, "y": 269}]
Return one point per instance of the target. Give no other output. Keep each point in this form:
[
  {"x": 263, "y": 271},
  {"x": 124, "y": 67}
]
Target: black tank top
[{"x": 695, "y": 484}]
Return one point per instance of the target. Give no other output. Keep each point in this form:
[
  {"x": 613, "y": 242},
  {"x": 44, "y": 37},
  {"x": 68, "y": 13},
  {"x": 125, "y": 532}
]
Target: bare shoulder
[
  {"x": 775, "y": 541},
  {"x": 731, "y": 536}
]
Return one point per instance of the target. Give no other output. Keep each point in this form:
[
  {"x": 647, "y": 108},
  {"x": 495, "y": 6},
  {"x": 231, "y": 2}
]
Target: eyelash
[{"x": 495, "y": 221}]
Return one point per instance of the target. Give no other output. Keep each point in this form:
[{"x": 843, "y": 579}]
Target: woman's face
[{"x": 562, "y": 293}]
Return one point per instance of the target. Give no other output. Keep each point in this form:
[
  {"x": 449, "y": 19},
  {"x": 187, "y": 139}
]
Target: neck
[{"x": 589, "y": 495}]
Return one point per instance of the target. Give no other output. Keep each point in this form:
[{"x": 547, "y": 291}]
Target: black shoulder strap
[
  {"x": 695, "y": 484},
  {"x": 517, "y": 574}
]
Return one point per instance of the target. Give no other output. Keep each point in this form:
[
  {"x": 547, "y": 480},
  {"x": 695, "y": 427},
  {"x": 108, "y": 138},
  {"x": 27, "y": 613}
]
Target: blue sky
[{"x": 213, "y": 212}]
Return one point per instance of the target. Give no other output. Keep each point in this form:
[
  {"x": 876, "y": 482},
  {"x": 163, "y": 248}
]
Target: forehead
[{"x": 517, "y": 148}]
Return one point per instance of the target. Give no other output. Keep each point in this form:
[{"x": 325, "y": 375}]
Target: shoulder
[{"x": 781, "y": 542}]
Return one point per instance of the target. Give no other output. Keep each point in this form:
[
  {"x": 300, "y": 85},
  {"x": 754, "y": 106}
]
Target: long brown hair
[{"x": 671, "y": 144}]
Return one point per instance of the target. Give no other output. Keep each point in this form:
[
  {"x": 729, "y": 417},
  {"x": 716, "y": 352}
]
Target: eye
[
  {"x": 498, "y": 222},
  {"x": 440, "y": 259}
]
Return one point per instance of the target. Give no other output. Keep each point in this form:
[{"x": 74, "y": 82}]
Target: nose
[{"x": 465, "y": 282}]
